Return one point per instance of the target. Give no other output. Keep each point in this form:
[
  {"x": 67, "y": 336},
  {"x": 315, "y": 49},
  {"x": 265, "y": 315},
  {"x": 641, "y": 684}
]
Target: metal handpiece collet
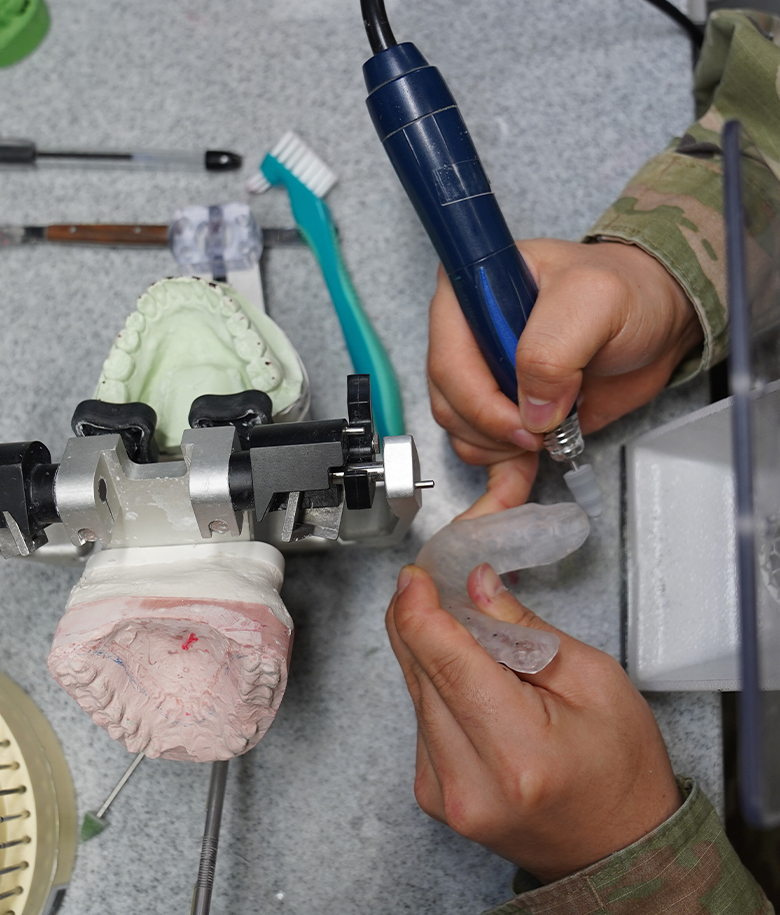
[{"x": 430, "y": 148}]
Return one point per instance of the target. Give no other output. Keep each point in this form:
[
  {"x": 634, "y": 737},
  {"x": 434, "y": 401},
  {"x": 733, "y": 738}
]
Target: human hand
[
  {"x": 610, "y": 323},
  {"x": 554, "y": 771}
]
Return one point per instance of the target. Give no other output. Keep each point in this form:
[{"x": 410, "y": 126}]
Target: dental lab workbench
[{"x": 564, "y": 101}]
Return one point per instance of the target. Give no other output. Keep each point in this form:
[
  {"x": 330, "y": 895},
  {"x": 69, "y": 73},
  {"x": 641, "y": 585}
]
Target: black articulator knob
[{"x": 134, "y": 422}]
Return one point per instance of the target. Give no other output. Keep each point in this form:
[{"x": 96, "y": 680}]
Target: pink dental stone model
[{"x": 180, "y": 652}]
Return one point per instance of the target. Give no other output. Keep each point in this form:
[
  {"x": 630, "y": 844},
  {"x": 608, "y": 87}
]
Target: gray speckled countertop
[{"x": 564, "y": 101}]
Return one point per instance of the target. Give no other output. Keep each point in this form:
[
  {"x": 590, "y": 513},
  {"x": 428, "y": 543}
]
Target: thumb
[
  {"x": 570, "y": 323},
  {"x": 491, "y": 596},
  {"x": 572, "y": 671}
]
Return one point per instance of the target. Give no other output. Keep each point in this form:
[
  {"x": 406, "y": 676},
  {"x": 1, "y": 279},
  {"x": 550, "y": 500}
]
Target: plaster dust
[{"x": 154, "y": 653}]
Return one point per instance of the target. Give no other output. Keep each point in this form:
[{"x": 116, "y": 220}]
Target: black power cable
[
  {"x": 380, "y": 35},
  {"x": 695, "y": 32}
]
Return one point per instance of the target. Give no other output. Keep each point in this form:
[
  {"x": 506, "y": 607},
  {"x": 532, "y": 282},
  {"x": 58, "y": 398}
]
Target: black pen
[{"x": 26, "y": 153}]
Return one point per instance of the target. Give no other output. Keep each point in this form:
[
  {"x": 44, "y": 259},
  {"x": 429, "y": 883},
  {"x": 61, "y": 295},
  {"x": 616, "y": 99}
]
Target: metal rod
[
  {"x": 25, "y": 841},
  {"x": 120, "y": 784},
  {"x": 23, "y": 865},
  {"x": 201, "y": 898},
  {"x": 14, "y": 816}
]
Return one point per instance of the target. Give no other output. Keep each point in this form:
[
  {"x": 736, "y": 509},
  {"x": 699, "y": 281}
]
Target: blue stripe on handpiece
[{"x": 505, "y": 333}]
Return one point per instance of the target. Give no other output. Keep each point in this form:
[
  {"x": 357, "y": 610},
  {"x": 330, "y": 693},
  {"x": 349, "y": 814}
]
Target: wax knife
[{"x": 138, "y": 235}]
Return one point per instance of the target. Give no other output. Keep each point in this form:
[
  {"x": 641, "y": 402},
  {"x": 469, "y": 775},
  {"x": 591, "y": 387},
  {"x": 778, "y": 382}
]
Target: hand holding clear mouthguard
[
  {"x": 518, "y": 538},
  {"x": 176, "y": 640}
]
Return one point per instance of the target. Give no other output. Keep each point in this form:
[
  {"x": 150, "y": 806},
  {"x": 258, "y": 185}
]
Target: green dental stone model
[{"x": 189, "y": 337}]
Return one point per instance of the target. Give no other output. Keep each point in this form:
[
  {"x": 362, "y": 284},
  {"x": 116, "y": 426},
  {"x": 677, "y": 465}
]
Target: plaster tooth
[
  {"x": 237, "y": 324},
  {"x": 148, "y": 305},
  {"x": 130, "y": 726},
  {"x": 83, "y": 671},
  {"x": 136, "y": 322},
  {"x": 112, "y": 391},
  {"x": 119, "y": 365},
  {"x": 271, "y": 666},
  {"x": 115, "y": 732},
  {"x": 103, "y": 692},
  {"x": 261, "y": 695},
  {"x": 250, "y": 346},
  {"x": 87, "y": 701},
  {"x": 114, "y": 711},
  {"x": 250, "y": 665},
  {"x": 236, "y": 744},
  {"x": 212, "y": 299},
  {"x": 135, "y": 742},
  {"x": 129, "y": 341},
  {"x": 249, "y": 730},
  {"x": 269, "y": 680},
  {"x": 228, "y": 307},
  {"x": 176, "y": 294},
  {"x": 65, "y": 675},
  {"x": 264, "y": 373}
]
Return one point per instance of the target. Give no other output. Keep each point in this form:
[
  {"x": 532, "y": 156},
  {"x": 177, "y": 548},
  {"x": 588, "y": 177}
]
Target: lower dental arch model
[{"x": 182, "y": 651}]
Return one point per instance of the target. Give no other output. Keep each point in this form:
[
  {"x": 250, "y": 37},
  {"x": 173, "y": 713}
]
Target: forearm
[
  {"x": 684, "y": 867},
  {"x": 673, "y": 208}
]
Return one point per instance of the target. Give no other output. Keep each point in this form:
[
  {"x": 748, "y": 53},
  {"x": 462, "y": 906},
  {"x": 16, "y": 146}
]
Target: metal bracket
[{"x": 207, "y": 453}]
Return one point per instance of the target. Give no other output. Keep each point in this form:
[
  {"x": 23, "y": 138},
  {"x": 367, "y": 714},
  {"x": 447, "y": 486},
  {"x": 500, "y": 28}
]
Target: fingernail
[
  {"x": 404, "y": 578},
  {"x": 490, "y": 584},
  {"x": 524, "y": 439},
  {"x": 537, "y": 413}
]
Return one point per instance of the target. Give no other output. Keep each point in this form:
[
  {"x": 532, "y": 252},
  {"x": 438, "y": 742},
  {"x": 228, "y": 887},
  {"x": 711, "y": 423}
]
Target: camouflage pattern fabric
[
  {"x": 684, "y": 867},
  {"x": 673, "y": 207}
]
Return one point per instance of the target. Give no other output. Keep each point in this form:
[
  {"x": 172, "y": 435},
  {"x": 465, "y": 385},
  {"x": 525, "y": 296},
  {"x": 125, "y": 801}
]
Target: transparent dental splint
[{"x": 518, "y": 538}]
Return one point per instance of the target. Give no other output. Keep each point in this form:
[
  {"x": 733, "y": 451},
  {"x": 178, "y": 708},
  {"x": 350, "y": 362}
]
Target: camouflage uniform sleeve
[
  {"x": 684, "y": 867},
  {"x": 673, "y": 208}
]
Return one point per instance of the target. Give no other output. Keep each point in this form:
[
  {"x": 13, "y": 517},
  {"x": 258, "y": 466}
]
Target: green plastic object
[
  {"x": 365, "y": 349},
  {"x": 23, "y": 25},
  {"x": 91, "y": 826}
]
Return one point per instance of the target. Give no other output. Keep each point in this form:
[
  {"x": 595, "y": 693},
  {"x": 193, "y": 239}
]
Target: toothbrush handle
[{"x": 366, "y": 351}]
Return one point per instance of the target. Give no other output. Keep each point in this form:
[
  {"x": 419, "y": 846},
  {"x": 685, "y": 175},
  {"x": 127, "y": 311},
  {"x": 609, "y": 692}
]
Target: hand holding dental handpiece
[
  {"x": 610, "y": 323},
  {"x": 431, "y": 150},
  {"x": 554, "y": 771}
]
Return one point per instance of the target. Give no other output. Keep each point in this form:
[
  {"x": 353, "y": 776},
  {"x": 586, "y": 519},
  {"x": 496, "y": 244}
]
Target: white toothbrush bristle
[
  {"x": 257, "y": 184},
  {"x": 304, "y": 163}
]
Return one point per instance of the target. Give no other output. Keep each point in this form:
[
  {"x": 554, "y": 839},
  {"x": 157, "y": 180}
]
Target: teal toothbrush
[{"x": 307, "y": 178}]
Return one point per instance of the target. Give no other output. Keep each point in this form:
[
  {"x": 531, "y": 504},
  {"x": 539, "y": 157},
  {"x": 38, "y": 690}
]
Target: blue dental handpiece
[
  {"x": 428, "y": 143},
  {"x": 431, "y": 150}
]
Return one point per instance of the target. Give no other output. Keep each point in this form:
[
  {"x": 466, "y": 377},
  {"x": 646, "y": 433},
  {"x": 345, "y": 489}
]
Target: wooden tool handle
[{"x": 156, "y": 236}]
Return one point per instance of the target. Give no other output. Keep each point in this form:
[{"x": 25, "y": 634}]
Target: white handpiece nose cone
[
  {"x": 181, "y": 652},
  {"x": 585, "y": 489}
]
